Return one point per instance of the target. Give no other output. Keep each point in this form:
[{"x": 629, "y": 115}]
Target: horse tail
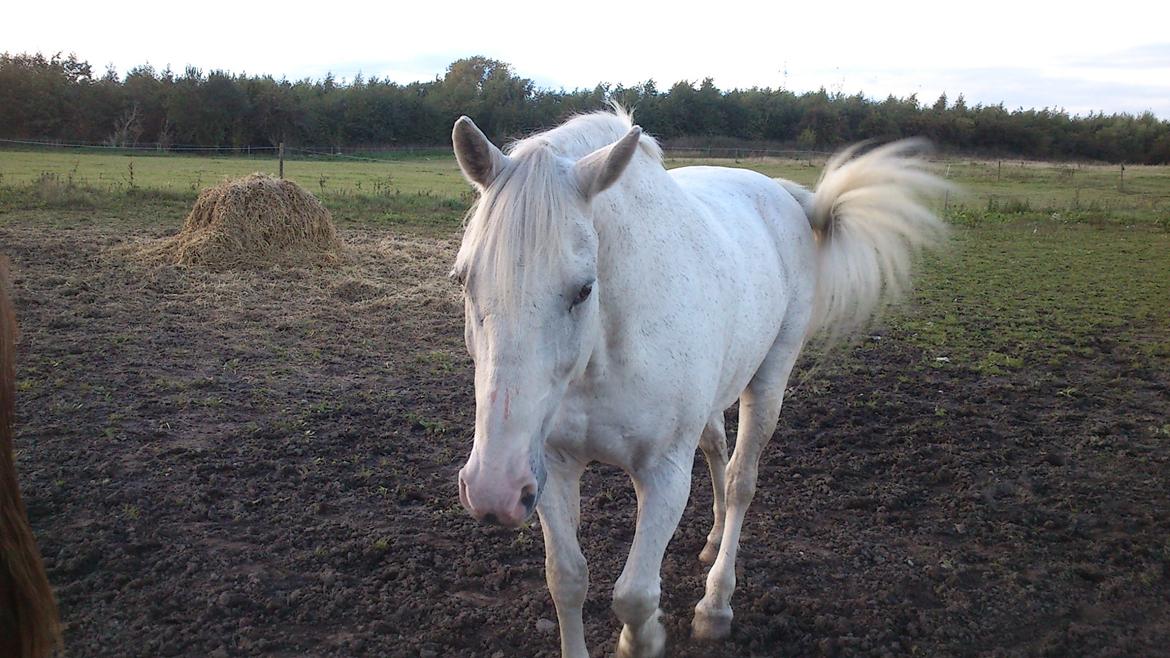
[
  {"x": 870, "y": 216},
  {"x": 29, "y": 626}
]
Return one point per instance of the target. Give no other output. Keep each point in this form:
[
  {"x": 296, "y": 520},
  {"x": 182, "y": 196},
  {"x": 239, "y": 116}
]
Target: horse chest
[{"x": 611, "y": 425}]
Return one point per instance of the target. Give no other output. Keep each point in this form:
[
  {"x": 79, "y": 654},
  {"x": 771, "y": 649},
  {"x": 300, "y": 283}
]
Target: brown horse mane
[{"x": 29, "y": 626}]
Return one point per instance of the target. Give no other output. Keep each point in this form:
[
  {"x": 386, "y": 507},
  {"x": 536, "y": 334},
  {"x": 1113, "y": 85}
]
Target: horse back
[
  {"x": 754, "y": 213},
  {"x": 753, "y": 273}
]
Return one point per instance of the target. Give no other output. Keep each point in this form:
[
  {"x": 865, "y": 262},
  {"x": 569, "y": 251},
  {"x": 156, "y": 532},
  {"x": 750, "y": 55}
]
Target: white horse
[{"x": 615, "y": 309}]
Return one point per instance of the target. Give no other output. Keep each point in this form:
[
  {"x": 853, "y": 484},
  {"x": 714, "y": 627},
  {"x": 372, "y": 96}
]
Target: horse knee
[
  {"x": 741, "y": 487},
  {"x": 635, "y": 604},
  {"x": 714, "y": 447},
  {"x": 568, "y": 579}
]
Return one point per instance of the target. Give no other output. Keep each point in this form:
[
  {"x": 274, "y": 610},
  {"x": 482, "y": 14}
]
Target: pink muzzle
[{"x": 507, "y": 498}]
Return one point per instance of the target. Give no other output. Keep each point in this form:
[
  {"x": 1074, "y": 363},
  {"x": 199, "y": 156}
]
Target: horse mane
[
  {"x": 520, "y": 216},
  {"x": 584, "y": 133},
  {"x": 29, "y": 626}
]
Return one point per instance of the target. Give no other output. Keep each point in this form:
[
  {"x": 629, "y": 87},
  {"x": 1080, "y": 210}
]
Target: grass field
[
  {"x": 1010, "y": 190},
  {"x": 424, "y": 190},
  {"x": 263, "y": 461},
  {"x": 186, "y": 174}
]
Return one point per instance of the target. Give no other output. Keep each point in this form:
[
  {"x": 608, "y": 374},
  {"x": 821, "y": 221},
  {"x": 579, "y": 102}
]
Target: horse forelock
[{"x": 519, "y": 228}]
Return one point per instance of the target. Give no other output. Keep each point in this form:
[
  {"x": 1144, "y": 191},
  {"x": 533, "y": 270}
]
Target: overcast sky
[{"x": 1112, "y": 57}]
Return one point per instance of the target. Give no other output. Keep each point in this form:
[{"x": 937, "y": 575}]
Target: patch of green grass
[
  {"x": 187, "y": 174},
  {"x": 429, "y": 426},
  {"x": 1063, "y": 193},
  {"x": 421, "y": 192},
  {"x": 994, "y": 363},
  {"x": 440, "y": 361},
  {"x": 992, "y": 191},
  {"x": 65, "y": 205},
  {"x": 1005, "y": 296}
]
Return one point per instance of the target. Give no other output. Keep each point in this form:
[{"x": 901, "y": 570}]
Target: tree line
[{"x": 61, "y": 98}]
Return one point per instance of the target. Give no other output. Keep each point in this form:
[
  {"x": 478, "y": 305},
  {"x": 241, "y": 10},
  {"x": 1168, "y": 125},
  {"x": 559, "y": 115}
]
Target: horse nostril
[
  {"x": 490, "y": 518},
  {"x": 528, "y": 500}
]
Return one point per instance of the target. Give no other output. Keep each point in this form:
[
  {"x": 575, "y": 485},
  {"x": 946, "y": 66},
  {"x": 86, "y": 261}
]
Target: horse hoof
[
  {"x": 709, "y": 553},
  {"x": 656, "y": 651},
  {"x": 649, "y": 643},
  {"x": 710, "y": 625}
]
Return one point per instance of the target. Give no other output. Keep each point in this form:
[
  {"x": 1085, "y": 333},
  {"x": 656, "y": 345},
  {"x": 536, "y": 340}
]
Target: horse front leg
[
  {"x": 566, "y": 570},
  {"x": 662, "y": 495}
]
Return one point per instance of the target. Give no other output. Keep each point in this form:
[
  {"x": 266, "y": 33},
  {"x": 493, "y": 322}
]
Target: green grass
[
  {"x": 187, "y": 174},
  {"x": 422, "y": 192},
  {"x": 999, "y": 191},
  {"x": 1008, "y": 296},
  {"x": 426, "y": 189}
]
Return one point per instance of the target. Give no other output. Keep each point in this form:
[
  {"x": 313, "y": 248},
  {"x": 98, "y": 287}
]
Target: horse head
[{"x": 528, "y": 267}]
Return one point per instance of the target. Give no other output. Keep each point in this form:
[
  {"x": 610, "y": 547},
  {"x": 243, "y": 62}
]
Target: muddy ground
[{"x": 263, "y": 464}]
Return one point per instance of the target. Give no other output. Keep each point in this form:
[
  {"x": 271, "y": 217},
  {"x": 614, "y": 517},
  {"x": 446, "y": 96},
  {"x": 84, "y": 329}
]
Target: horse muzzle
[{"x": 507, "y": 500}]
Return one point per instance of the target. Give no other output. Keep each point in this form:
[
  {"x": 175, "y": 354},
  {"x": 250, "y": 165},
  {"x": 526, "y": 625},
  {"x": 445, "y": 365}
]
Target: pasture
[{"x": 263, "y": 462}]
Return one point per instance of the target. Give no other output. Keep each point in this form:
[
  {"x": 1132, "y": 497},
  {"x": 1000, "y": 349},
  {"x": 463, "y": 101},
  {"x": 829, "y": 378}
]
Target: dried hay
[
  {"x": 403, "y": 277},
  {"x": 255, "y": 220}
]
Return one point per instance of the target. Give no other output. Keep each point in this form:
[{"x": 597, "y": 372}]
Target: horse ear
[
  {"x": 601, "y": 168},
  {"x": 479, "y": 159}
]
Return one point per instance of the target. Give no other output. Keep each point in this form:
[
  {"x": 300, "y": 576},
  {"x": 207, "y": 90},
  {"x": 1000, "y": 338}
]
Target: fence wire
[{"x": 177, "y": 148}]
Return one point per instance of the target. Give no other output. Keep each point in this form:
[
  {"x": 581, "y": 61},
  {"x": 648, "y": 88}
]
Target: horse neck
[
  {"x": 633, "y": 222},
  {"x": 639, "y": 252}
]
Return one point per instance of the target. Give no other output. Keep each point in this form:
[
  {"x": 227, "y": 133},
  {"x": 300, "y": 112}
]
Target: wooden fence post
[{"x": 280, "y": 150}]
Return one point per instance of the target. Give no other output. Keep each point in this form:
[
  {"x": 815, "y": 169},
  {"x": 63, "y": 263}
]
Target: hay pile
[{"x": 255, "y": 220}]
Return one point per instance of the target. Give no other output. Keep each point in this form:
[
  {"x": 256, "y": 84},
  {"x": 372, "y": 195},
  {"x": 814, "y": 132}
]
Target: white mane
[
  {"x": 521, "y": 216},
  {"x": 585, "y": 133}
]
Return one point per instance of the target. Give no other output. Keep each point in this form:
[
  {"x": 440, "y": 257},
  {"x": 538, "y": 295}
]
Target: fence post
[
  {"x": 1121, "y": 181},
  {"x": 280, "y": 150}
]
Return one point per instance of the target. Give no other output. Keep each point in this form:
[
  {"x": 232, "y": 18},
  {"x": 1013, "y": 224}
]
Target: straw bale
[{"x": 257, "y": 220}]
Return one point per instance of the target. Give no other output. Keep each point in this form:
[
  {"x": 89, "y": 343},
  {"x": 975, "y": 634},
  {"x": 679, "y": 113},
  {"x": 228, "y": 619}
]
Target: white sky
[{"x": 1111, "y": 57}]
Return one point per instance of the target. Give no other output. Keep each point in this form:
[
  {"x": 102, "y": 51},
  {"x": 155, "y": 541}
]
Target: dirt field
[{"x": 263, "y": 463}]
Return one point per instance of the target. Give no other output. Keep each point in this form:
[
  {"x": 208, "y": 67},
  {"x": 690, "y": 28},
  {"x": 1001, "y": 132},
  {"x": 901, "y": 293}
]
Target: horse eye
[{"x": 583, "y": 293}]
